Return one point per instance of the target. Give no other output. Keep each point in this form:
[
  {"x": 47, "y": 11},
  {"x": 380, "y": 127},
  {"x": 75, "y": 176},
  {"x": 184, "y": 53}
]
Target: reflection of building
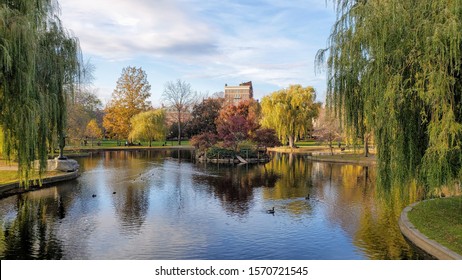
[{"x": 235, "y": 94}]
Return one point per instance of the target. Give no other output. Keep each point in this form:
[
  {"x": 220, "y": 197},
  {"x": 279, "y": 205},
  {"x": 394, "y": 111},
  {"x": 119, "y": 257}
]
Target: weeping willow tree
[
  {"x": 290, "y": 112},
  {"x": 394, "y": 68},
  {"x": 39, "y": 64},
  {"x": 150, "y": 126}
]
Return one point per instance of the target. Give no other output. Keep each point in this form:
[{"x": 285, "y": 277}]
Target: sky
[{"x": 208, "y": 44}]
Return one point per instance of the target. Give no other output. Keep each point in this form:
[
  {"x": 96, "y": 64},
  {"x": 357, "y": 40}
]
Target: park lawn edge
[{"x": 440, "y": 220}]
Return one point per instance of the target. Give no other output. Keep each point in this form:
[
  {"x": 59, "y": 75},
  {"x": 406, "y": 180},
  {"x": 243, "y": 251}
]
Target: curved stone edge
[
  {"x": 429, "y": 246},
  {"x": 15, "y": 188}
]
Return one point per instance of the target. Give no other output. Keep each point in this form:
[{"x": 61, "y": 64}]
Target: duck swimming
[{"x": 270, "y": 211}]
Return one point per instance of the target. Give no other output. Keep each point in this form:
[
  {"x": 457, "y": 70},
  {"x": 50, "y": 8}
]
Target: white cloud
[
  {"x": 124, "y": 29},
  {"x": 270, "y": 42}
]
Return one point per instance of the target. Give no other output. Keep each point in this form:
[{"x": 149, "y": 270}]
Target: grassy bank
[
  {"x": 120, "y": 144},
  {"x": 10, "y": 176},
  {"x": 440, "y": 220}
]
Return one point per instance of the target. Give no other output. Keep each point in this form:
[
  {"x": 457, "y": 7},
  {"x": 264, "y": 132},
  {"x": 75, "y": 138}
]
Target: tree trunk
[
  {"x": 150, "y": 141},
  {"x": 291, "y": 141},
  {"x": 179, "y": 127},
  {"x": 366, "y": 145}
]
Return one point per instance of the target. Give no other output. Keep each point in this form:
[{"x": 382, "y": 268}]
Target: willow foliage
[
  {"x": 394, "y": 66},
  {"x": 290, "y": 112},
  {"x": 39, "y": 64},
  {"x": 149, "y": 125}
]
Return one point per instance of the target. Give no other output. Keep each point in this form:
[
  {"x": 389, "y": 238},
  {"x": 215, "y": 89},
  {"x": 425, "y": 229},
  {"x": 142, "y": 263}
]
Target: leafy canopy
[
  {"x": 128, "y": 99},
  {"x": 39, "y": 66},
  {"x": 93, "y": 130},
  {"x": 203, "y": 116},
  {"x": 150, "y": 125},
  {"x": 396, "y": 66},
  {"x": 290, "y": 112}
]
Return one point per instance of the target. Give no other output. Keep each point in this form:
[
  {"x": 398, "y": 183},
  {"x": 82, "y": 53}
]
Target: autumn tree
[
  {"x": 266, "y": 137},
  {"x": 39, "y": 66},
  {"x": 149, "y": 125},
  {"x": 396, "y": 67},
  {"x": 233, "y": 130},
  {"x": 128, "y": 99},
  {"x": 81, "y": 109},
  {"x": 290, "y": 112},
  {"x": 203, "y": 116},
  {"x": 237, "y": 123},
  {"x": 181, "y": 97},
  {"x": 204, "y": 140},
  {"x": 93, "y": 131},
  {"x": 248, "y": 109}
]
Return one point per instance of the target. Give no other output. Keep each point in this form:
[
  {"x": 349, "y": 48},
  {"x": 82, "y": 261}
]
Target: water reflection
[
  {"x": 32, "y": 234},
  {"x": 234, "y": 185},
  {"x": 161, "y": 205}
]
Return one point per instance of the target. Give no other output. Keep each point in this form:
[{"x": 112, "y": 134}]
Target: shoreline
[
  {"x": 122, "y": 148},
  {"x": 409, "y": 231},
  {"x": 323, "y": 155},
  {"x": 418, "y": 239},
  {"x": 14, "y": 188}
]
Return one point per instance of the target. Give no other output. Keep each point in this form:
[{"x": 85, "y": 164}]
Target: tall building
[{"x": 235, "y": 94}]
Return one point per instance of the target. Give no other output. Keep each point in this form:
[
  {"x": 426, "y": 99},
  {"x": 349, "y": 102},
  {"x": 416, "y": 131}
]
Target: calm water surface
[{"x": 161, "y": 205}]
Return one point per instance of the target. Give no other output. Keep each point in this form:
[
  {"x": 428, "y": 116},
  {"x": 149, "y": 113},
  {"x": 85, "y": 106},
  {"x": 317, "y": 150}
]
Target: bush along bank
[{"x": 223, "y": 155}]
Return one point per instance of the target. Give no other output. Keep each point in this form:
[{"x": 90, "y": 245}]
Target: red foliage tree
[
  {"x": 204, "y": 115},
  {"x": 248, "y": 109},
  {"x": 233, "y": 130},
  {"x": 204, "y": 140},
  {"x": 266, "y": 137}
]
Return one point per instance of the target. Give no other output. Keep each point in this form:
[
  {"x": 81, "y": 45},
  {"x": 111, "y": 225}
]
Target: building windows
[{"x": 234, "y": 94}]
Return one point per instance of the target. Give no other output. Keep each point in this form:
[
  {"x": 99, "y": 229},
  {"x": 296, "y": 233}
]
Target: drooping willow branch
[
  {"x": 39, "y": 66},
  {"x": 394, "y": 68}
]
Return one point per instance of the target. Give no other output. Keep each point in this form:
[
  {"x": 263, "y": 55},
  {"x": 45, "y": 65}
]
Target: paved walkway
[{"x": 429, "y": 246}]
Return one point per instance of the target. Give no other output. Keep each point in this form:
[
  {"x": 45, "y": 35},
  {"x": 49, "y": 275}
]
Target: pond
[{"x": 162, "y": 205}]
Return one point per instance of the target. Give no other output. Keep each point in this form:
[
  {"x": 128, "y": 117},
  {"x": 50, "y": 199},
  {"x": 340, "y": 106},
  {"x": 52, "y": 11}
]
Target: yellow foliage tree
[
  {"x": 93, "y": 131},
  {"x": 290, "y": 112},
  {"x": 128, "y": 99},
  {"x": 149, "y": 126}
]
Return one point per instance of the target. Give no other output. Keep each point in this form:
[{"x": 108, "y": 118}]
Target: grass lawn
[
  {"x": 121, "y": 144},
  {"x": 8, "y": 176},
  {"x": 308, "y": 143},
  {"x": 11, "y": 176},
  {"x": 440, "y": 220},
  {"x": 9, "y": 173},
  {"x": 348, "y": 156}
]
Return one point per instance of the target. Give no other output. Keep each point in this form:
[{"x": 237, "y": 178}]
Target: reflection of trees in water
[
  {"x": 234, "y": 186},
  {"x": 294, "y": 177},
  {"x": 285, "y": 177},
  {"x": 379, "y": 231},
  {"x": 32, "y": 233},
  {"x": 131, "y": 201},
  {"x": 370, "y": 215},
  {"x": 131, "y": 205},
  {"x": 347, "y": 192},
  {"x": 180, "y": 154}
]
